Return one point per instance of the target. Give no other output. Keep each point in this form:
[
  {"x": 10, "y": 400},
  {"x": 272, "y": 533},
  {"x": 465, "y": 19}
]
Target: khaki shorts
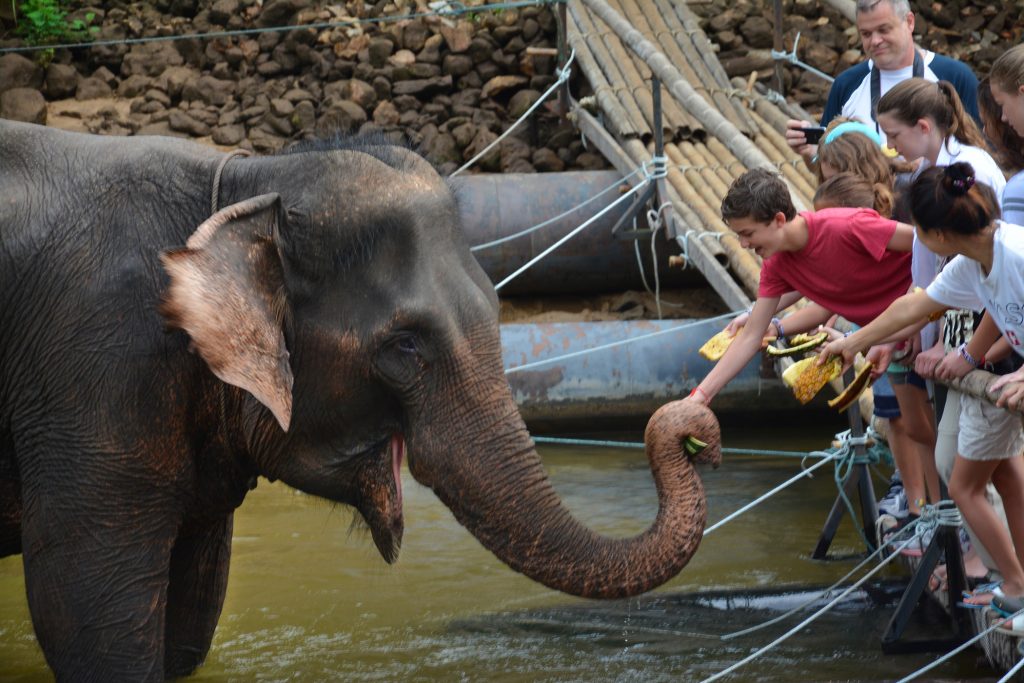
[{"x": 988, "y": 432}]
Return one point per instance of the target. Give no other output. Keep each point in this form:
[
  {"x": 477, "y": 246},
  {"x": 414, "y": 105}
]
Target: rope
[
  {"x": 793, "y": 59},
  {"x": 215, "y": 193},
  {"x": 957, "y": 650},
  {"x": 799, "y": 627},
  {"x": 319, "y": 26},
  {"x": 754, "y": 503},
  {"x": 529, "y": 264},
  {"x": 509, "y": 238},
  {"x": 563, "y": 76},
  {"x": 654, "y": 220},
  {"x": 684, "y": 242},
  {"x": 611, "y": 345},
  {"x": 825, "y": 594},
  {"x": 1013, "y": 671},
  {"x": 640, "y": 444}
]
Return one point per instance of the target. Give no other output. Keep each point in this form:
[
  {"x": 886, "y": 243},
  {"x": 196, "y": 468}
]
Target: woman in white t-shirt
[{"x": 955, "y": 216}]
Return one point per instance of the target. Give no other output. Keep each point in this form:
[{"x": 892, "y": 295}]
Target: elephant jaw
[{"x": 380, "y": 504}]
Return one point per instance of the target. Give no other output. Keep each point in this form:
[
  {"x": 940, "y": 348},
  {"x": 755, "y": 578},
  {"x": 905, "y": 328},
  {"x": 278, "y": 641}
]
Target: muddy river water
[{"x": 309, "y": 598}]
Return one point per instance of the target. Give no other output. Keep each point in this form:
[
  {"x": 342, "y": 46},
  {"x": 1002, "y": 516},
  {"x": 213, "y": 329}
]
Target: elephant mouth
[{"x": 380, "y": 496}]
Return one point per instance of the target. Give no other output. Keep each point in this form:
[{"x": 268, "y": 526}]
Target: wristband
[
  {"x": 962, "y": 350},
  {"x": 778, "y": 327},
  {"x": 697, "y": 390}
]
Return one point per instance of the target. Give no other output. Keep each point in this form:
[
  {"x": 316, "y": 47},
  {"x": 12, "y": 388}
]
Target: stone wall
[
  {"x": 447, "y": 85},
  {"x": 974, "y": 31}
]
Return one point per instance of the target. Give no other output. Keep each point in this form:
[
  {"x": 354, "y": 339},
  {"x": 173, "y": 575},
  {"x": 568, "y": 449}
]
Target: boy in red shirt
[{"x": 849, "y": 260}]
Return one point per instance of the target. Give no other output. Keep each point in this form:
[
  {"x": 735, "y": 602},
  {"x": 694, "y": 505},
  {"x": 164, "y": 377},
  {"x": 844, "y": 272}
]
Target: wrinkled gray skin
[{"x": 154, "y": 363}]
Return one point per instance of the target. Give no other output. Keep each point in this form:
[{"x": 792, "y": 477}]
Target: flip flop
[
  {"x": 984, "y": 589},
  {"x": 1006, "y": 605}
]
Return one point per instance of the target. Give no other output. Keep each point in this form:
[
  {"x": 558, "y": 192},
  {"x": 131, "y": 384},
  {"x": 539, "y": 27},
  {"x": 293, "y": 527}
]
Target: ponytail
[
  {"x": 914, "y": 99},
  {"x": 948, "y": 199}
]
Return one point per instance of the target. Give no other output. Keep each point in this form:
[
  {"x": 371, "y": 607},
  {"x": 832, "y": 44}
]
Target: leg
[
  {"x": 905, "y": 454},
  {"x": 1009, "y": 481},
  {"x": 198, "y": 581},
  {"x": 967, "y": 487},
  {"x": 919, "y": 424},
  {"x": 95, "y": 564}
]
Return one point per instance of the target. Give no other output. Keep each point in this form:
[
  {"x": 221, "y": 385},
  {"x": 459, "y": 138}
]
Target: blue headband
[{"x": 853, "y": 127}]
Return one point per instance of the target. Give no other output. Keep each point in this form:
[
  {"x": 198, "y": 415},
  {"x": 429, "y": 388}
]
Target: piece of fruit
[
  {"x": 693, "y": 445},
  {"x": 715, "y": 347},
  {"x": 854, "y": 389},
  {"x": 806, "y": 377},
  {"x": 797, "y": 345}
]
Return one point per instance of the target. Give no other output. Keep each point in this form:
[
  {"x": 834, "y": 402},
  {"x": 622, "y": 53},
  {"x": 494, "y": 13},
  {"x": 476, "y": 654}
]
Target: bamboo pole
[
  {"x": 848, "y": 8},
  {"x": 686, "y": 126},
  {"x": 710, "y": 171},
  {"x": 614, "y": 113},
  {"x": 715, "y": 123},
  {"x": 620, "y": 68},
  {"x": 675, "y": 32},
  {"x": 744, "y": 265},
  {"x": 724, "y": 171},
  {"x": 608, "y": 68},
  {"x": 695, "y": 177},
  {"x": 713, "y": 271}
]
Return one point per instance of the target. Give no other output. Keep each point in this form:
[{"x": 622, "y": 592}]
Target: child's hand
[
  {"x": 833, "y": 333},
  {"x": 880, "y": 356},
  {"x": 928, "y": 362},
  {"x": 839, "y": 347},
  {"x": 1013, "y": 396},
  {"x": 953, "y": 366},
  {"x": 737, "y": 323}
]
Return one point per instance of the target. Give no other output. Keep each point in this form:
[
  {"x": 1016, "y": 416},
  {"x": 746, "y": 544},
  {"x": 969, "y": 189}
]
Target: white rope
[
  {"x": 567, "y": 237},
  {"x": 1013, "y": 671},
  {"x": 583, "y": 352},
  {"x": 963, "y": 646},
  {"x": 509, "y": 238},
  {"x": 684, "y": 242},
  {"x": 563, "y": 76},
  {"x": 799, "y": 627},
  {"x": 805, "y": 473},
  {"x": 828, "y": 591},
  {"x": 654, "y": 220},
  {"x": 793, "y": 59}
]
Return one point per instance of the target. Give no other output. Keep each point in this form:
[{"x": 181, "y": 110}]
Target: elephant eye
[{"x": 407, "y": 344}]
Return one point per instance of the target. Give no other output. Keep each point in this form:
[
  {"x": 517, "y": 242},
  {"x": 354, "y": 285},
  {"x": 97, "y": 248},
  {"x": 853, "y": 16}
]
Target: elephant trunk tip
[{"x": 688, "y": 427}]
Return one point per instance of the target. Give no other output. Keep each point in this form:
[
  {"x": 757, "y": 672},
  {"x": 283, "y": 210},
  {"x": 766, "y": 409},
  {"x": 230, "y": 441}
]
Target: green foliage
[{"x": 44, "y": 22}]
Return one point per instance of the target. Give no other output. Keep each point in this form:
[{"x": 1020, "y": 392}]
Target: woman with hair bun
[{"x": 956, "y": 216}]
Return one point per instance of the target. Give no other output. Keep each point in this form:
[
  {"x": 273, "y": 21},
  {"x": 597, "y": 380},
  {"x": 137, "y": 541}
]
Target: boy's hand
[
  {"x": 833, "y": 333},
  {"x": 737, "y": 323}
]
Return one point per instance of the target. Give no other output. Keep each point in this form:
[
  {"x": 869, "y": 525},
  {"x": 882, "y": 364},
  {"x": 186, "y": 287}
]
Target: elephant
[{"x": 328, "y": 324}]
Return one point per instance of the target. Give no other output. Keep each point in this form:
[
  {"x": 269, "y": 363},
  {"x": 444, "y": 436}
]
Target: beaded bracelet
[
  {"x": 778, "y": 327},
  {"x": 962, "y": 350}
]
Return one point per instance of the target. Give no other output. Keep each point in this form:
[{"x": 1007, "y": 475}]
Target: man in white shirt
[{"x": 886, "y": 30}]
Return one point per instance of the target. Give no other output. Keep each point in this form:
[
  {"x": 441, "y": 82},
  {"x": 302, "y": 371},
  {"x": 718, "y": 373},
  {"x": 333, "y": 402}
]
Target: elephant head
[{"x": 338, "y": 294}]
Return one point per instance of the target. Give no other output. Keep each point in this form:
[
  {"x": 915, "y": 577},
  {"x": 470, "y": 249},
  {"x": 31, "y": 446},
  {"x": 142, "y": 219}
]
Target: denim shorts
[
  {"x": 906, "y": 376},
  {"x": 885, "y": 398}
]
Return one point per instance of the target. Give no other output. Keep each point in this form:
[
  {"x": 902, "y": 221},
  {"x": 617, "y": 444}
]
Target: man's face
[
  {"x": 887, "y": 38},
  {"x": 763, "y": 238}
]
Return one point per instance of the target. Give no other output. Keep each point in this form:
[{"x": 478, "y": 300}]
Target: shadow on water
[{"x": 675, "y": 637}]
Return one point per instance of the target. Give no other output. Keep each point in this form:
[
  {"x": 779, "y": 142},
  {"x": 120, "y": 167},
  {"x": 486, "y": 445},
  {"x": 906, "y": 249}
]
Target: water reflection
[{"x": 310, "y": 599}]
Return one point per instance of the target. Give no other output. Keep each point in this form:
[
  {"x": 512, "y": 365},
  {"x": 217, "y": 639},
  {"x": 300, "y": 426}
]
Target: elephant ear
[{"x": 227, "y": 293}]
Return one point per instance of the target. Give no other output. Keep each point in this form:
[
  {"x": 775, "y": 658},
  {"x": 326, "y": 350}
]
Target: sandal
[
  {"x": 979, "y": 592},
  {"x": 1012, "y": 627}
]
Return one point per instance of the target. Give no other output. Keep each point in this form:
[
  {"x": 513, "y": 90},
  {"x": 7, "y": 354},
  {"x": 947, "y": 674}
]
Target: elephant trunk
[{"x": 503, "y": 496}]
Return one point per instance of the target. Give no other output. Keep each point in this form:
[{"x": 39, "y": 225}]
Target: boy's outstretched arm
[
  {"x": 902, "y": 239},
  {"x": 908, "y": 309},
  {"x": 744, "y": 347}
]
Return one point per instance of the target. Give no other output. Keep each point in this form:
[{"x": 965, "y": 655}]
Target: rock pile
[
  {"x": 974, "y": 31},
  {"x": 447, "y": 85}
]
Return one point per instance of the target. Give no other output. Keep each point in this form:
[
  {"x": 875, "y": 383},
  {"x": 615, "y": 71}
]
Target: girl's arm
[
  {"x": 907, "y": 309},
  {"x": 902, "y": 239},
  {"x": 807, "y": 318},
  {"x": 744, "y": 347}
]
